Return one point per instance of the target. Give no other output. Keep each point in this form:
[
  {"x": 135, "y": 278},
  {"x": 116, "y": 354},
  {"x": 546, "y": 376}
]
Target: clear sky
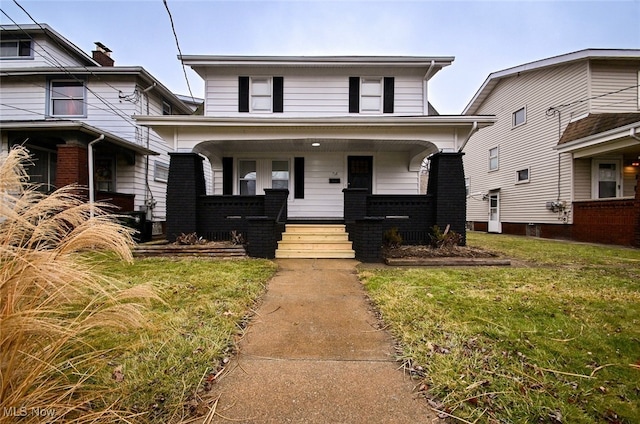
[{"x": 484, "y": 36}]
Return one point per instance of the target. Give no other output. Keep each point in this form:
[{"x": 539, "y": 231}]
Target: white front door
[{"x": 494, "y": 213}]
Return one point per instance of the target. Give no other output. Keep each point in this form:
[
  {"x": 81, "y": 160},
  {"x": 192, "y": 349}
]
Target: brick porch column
[
  {"x": 72, "y": 166},
  {"x": 184, "y": 186},
  {"x": 446, "y": 184},
  {"x": 637, "y": 210}
]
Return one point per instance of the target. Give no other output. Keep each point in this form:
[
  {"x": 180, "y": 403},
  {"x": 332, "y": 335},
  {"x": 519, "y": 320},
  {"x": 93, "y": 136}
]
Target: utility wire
[
  {"x": 589, "y": 98},
  {"x": 175, "y": 36}
]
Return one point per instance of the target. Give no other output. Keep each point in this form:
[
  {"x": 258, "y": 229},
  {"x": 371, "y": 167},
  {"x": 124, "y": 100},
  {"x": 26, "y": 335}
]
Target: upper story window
[
  {"x": 519, "y": 117},
  {"x": 493, "y": 159},
  {"x": 166, "y": 108},
  {"x": 67, "y": 98},
  {"x": 15, "y": 49},
  {"x": 522, "y": 175},
  {"x": 261, "y": 94},
  {"x": 371, "y": 94}
]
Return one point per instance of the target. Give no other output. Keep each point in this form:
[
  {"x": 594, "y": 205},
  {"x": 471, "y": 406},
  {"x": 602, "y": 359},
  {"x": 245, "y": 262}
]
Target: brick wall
[
  {"x": 184, "y": 186},
  {"x": 605, "y": 221},
  {"x": 446, "y": 185},
  {"x": 72, "y": 165}
]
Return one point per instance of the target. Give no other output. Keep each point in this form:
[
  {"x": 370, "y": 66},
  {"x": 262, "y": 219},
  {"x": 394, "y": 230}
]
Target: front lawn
[
  {"x": 555, "y": 338},
  {"x": 164, "y": 372}
]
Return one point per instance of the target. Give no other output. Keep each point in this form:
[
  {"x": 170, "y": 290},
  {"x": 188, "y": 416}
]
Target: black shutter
[
  {"x": 243, "y": 94},
  {"x": 227, "y": 175},
  {"x": 354, "y": 94},
  {"x": 298, "y": 175},
  {"x": 388, "y": 95},
  {"x": 278, "y": 94}
]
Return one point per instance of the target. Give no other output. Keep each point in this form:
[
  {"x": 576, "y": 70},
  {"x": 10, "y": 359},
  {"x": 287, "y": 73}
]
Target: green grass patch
[
  {"x": 556, "y": 340},
  {"x": 165, "y": 370}
]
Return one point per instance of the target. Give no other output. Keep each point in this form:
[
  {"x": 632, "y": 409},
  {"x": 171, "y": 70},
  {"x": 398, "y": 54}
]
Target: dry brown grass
[{"x": 51, "y": 299}]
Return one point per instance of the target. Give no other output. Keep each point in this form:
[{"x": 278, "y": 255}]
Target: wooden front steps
[{"x": 329, "y": 241}]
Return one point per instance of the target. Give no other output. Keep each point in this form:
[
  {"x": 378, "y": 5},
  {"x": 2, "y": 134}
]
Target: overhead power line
[{"x": 175, "y": 36}]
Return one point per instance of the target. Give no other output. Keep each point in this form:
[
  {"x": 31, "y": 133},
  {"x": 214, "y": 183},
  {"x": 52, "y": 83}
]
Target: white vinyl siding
[
  {"x": 539, "y": 90},
  {"x": 392, "y": 177},
  {"x": 312, "y": 92},
  {"x": 45, "y": 53},
  {"x": 613, "y": 88}
]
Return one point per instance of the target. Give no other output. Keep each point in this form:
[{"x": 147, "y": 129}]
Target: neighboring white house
[
  {"x": 56, "y": 100},
  {"x": 562, "y": 161},
  {"x": 316, "y": 125}
]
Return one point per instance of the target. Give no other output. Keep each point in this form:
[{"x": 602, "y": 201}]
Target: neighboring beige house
[
  {"x": 63, "y": 104},
  {"x": 563, "y": 159}
]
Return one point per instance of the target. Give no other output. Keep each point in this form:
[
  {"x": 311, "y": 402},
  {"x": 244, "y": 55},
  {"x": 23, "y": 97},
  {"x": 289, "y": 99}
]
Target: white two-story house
[
  {"x": 66, "y": 106},
  {"x": 316, "y": 126},
  {"x": 563, "y": 159}
]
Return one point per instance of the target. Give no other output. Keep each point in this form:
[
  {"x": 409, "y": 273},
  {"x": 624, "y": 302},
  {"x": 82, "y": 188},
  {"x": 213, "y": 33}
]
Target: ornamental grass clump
[{"x": 51, "y": 300}]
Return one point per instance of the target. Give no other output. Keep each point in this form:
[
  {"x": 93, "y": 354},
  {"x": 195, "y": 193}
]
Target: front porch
[{"x": 261, "y": 219}]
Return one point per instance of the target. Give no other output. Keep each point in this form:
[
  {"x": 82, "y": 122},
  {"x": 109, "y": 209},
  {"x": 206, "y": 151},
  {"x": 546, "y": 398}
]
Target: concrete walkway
[{"x": 312, "y": 354}]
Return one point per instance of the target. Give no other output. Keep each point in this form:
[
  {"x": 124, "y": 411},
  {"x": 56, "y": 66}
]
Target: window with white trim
[
  {"x": 493, "y": 159},
  {"x": 161, "y": 171},
  {"x": 467, "y": 185},
  {"x": 519, "y": 117},
  {"x": 166, "y": 108},
  {"x": 260, "y": 94},
  {"x": 371, "y": 95},
  {"x": 280, "y": 174},
  {"x": 247, "y": 173},
  {"x": 15, "y": 49},
  {"x": 522, "y": 175},
  {"x": 67, "y": 98}
]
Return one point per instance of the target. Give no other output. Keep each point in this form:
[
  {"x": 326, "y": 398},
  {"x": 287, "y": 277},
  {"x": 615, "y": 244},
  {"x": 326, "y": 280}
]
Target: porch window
[
  {"x": 247, "y": 173},
  {"x": 15, "y": 49},
  {"x": 493, "y": 159},
  {"x": 104, "y": 174},
  {"x": 606, "y": 179},
  {"x": 42, "y": 169},
  {"x": 280, "y": 174},
  {"x": 67, "y": 98}
]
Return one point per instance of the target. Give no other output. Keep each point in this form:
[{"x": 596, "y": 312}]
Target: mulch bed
[{"x": 445, "y": 256}]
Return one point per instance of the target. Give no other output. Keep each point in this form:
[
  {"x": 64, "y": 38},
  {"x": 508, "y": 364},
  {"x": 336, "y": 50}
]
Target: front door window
[{"x": 360, "y": 172}]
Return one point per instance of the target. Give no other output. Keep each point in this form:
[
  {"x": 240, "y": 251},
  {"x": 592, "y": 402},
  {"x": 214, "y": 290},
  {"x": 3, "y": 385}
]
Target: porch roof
[
  {"x": 601, "y": 133},
  {"x": 417, "y": 135},
  {"x": 64, "y": 125}
]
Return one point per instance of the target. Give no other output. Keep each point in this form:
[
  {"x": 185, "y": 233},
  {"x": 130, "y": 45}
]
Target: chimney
[{"x": 102, "y": 55}]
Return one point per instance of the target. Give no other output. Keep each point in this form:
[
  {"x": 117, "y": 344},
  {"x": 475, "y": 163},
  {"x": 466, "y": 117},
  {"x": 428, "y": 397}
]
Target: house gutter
[
  {"x": 92, "y": 196},
  {"x": 474, "y": 128}
]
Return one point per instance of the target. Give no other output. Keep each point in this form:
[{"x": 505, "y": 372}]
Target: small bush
[
  {"x": 392, "y": 237},
  {"x": 444, "y": 239}
]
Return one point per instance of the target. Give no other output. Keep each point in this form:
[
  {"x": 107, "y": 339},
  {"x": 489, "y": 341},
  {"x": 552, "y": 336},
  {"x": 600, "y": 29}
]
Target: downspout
[
  {"x": 425, "y": 82},
  {"x": 149, "y": 201},
  {"x": 92, "y": 196},
  {"x": 474, "y": 128}
]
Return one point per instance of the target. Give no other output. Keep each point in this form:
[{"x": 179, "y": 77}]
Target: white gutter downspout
[
  {"x": 425, "y": 81},
  {"x": 474, "y": 128},
  {"x": 632, "y": 134},
  {"x": 92, "y": 196}
]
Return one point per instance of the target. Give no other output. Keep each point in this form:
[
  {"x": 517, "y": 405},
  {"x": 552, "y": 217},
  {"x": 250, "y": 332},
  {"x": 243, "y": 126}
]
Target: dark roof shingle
[{"x": 596, "y": 123}]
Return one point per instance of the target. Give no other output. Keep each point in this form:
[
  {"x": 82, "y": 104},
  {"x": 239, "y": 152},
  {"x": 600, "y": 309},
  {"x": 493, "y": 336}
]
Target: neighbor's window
[
  {"x": 161, "y": 172},
  {"x": 522, "y": 175},
  {"x": 166, "y": 108},
  {"x": 519, "y": 117},
  {"x": 15, "y": 49},
  {"x": 67, "y": 98},
  {"x": 467, "y": 186},
  {"x": 493, "y": 159}
]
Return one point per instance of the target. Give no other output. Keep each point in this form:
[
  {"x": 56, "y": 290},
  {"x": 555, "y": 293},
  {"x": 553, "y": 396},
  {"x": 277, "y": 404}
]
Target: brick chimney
[{"x": 102, "y": 55}]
